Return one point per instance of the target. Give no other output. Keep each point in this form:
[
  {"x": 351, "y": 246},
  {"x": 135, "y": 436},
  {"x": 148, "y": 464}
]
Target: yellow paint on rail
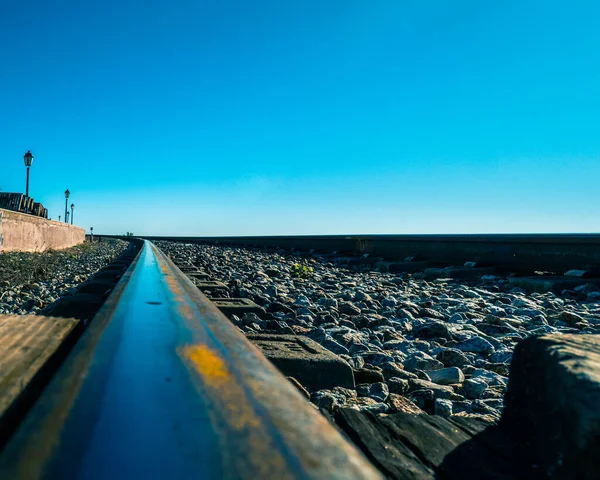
[
  {"x": 232, "y": 411},
  {"x": 230, "y": 405},
  {"x": 208, "y": 364}
]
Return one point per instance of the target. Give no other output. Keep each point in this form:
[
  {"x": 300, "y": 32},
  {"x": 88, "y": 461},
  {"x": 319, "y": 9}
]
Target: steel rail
[{"x": 162, "y": 385}]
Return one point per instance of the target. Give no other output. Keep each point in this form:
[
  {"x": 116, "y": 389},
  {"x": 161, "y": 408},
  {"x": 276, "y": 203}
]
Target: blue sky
[{"x": 299, "y": 117}]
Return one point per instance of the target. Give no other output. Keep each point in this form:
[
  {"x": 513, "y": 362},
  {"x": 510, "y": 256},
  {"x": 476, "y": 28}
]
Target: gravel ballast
[
  {"x": 30, "y": 282},
  {"x": 442, "y": 346}
]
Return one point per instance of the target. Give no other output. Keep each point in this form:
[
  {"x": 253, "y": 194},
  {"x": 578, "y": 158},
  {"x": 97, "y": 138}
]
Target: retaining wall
[{"x": 27, "y": 233}]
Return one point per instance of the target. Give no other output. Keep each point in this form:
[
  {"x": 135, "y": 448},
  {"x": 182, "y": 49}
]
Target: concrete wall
[{"x": 26, "y": 233}]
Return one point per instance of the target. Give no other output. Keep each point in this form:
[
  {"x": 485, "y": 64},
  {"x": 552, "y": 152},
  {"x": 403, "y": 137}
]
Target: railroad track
[{"x": 161, "y": 385}]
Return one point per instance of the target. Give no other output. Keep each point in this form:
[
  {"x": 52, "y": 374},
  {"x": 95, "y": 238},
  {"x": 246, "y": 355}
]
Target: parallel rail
[
  {"x": 161, "y": 385},
  {"x": 513, "y": 252}
]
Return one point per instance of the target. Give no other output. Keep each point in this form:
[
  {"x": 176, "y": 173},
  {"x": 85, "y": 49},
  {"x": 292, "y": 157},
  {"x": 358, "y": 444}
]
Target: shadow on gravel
[
  {"x": 91, "y": 294},
  {"x": 490, "y": 454}
]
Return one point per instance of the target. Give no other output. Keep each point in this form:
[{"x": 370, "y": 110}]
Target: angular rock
[
  {"x": 476, "y": 345},
  {"x": 421, "y": 361},
  {"x": 327, "y": 400},
  {"x": 473, "y": 388},
  {"x": 348, "y": 308},
  {"x": 442, "y": 407},
  {"x": 446, "y": 376},
  {"x": 392, "y": 369},
  {"x": 424, "y": 399},
  {"x": 377, "y": 391},
  {"x": 452, "y": 357},
  {"x": 432, "y": 329},
  {"x": 570, "y": 318},
  {"x": 491, "y": 378},
  {"x": 439, "y": 391},
  {"x": 398, "y": 385},
  {"x": 398, "y": 403}
]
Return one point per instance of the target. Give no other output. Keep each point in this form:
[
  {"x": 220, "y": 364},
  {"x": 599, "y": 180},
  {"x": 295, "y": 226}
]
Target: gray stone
[
  {"x": 442, "y": 407},
  {"x": 327, "y": 400},
  {"x": 398, "y": 385},
  {"x": 376, "y": 358},
  {"x": 452, "y": 357},
  {"x": 478, "y": 406},
  {"x": 334, "y": 347},
  {"x": 473, "y": 388},
  {"x": 501, "y": 357},
  {"x": 491, "y": 378},
  {"x": 377, "y": 391},
  {"x": 348, "y": 308},
  {"x": 392, "y": 369},
  {"x": 476, "y": 345},
  {"x": 440, "y": 391},
  {"x": 431, "y": 313},
  {"x": 421, "y": 361},
  {"x": 446, "y": 376},
  {"x": 432, "y": 329},
  {"x": 372, "y": 406},
  {"x": 570, "y": 318},
  {"x": 328, "y": 302},
  {"x": 461, "y": 406},
  {"x": 422, "y": 399}
]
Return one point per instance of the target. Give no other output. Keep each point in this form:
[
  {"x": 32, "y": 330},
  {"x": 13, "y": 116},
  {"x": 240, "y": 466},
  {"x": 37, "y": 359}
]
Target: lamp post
[
  {"x": 59, "y": 218},
  {"x": 72, "y": 207},
  {"x": 92, "y": 233},
  {"x": 67, "y": 193},
  {"x": 28, "y": 159}
]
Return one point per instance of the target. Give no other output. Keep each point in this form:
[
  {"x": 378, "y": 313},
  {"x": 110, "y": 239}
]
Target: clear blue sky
[{"x": 308, "y": 116}]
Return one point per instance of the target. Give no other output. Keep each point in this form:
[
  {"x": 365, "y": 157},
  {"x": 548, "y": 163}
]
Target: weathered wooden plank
[
  {"x": 405, "y": 446},
  {"x": 27, "y": 344}
]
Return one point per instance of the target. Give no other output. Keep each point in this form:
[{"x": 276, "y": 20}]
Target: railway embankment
[
  {"x": 415, "y": 342},
  {"x": 31, "y": 282}
]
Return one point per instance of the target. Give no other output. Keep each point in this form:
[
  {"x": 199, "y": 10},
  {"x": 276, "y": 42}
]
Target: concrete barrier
[{"x": 27, "y": 233}]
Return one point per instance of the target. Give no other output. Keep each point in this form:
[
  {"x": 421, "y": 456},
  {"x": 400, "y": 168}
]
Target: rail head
[{"x": 163, "y": 385}]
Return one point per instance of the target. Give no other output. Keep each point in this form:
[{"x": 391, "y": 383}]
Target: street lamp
[
  {"x": 28, "y": 159},
  {"x": 67, "y": 193},
  {"x": 67, "y": 219},
  {"x": 72, "y": 207},
  {"x": 92, "y": 233}
]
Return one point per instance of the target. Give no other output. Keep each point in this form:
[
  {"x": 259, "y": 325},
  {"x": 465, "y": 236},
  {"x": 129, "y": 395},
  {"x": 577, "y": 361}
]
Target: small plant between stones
[{"x": 301, "y": 271}]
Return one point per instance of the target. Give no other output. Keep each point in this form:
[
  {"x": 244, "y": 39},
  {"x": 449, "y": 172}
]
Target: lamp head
[{"x": 28, "y": 158}]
